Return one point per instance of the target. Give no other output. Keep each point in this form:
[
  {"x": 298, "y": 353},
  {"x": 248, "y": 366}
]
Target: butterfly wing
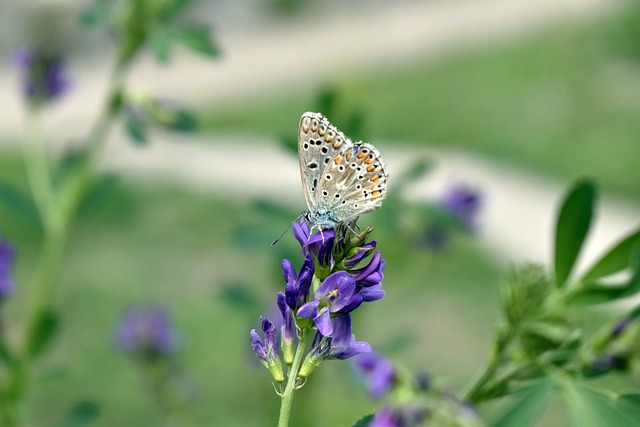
[
  {"x": 318, "y": 143},
  {"x": 353, "y": 182},
  {"x": 341, "y": 180}
]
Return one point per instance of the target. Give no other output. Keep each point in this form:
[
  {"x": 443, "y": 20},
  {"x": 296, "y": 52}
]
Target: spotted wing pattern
[{"x": 343, "y": 178}]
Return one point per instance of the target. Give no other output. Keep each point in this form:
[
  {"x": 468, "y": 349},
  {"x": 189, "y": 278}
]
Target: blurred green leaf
[
  {"x": 178, "y": 119},
  {"x": 82, "y": 414},
  {"x": 135, "y": 126},
  {"x": 572, "y": 227},
  {"x": 364, "y": 421},
  {"x": 160, "y": 43},
  {"x": 594, "y": 408},
  {"x": 16, "y": 202},
  {"x": 631, "y": 397},
  {"x": 46, "y": 327},
  {"x": 355, "y": 126},
  {"x": 415, "y": 172},
  {"x": 238, "y": 295},
  {"x": 277, "y": 210},
  {"x": 5, "y": 353},
  {"x": 96, "y": 14},
  {"x": 327, "y": 101},
  {"x": 99, "y": 193},
  {"x": 174, "y": 9},
  {"x": 398, "y": 343},
  {"x": 617, "y": 259},
  {"x": 196, "y": 38},
  {"x": 527, "y": 406},
  {"x": 290, "y": 144},
  {"x": 598, "y": 293}
]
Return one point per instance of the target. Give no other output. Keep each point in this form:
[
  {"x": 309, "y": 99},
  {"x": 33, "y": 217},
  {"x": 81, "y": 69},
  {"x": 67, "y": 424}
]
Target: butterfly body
[{"x": 341, "y": 179}]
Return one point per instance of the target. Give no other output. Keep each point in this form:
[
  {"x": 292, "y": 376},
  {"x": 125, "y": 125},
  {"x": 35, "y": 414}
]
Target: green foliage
[
  {"x": 46, "y": 328},
  {"x": 17, "y": 203},
  {"x": 527, "y": 405},
  {"x": 615, "y": 260},
  {"x": 596, "y": 408},
  {"x": 572, "y": 227},
  {"x": 82, "y": 414},
  {"x": 364, "y": 421}
]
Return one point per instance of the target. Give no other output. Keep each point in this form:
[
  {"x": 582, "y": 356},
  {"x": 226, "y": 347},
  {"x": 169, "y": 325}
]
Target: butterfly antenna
[
  {"x": 287, "y": 229},
  {"x": 283, "y": 233}
]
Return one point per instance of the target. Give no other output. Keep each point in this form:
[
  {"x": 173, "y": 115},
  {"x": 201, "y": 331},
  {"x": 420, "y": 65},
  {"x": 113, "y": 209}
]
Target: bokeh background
[{"x": 514, "y": 99}]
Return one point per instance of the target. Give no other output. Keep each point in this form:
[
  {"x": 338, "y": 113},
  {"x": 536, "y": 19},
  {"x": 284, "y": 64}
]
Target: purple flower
[
  {"x": 319, "y": 245},
  {"x": 380, "y": 373},
  {"x": 6, "y": 260},
  {"x": 287, "y": 330},
  {"x": 147, "y": 331},
  {"x": 385, "y": 417},
  {"x": 463, "y": 203},
  {"x": 332, "y": 296},
  {"x": 297, "y": 286},
  {"x": 341, "y": 344},
  {"x": 43, "y": 75},
  {"x": 363, "y": 252},
  {"x": 267, "y": 350}
]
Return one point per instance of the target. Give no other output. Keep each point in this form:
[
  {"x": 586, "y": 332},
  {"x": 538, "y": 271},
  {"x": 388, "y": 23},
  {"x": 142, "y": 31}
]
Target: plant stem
[
  {"x": 287, "y": 396},
  {"x": 57, "y": 212}
]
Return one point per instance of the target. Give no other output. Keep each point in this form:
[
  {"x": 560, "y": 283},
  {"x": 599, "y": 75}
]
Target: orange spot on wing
[
  {"x": 370, "y": 168},
  {"x": 375, "y": 178},
  {"x": 361, "y": 155},
  {"x": 337, "y": 159},
  {"x": 375, "y": 193},
  {"x": 368, "y": 160},
  {"x": 348, "y": 156},
  {"x": 374, "y": 199}
]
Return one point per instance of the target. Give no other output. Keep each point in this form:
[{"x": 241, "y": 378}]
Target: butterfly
[{"x": 341, "y": 179}]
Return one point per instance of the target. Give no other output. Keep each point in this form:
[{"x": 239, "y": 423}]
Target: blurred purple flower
[
  {"x": 385, "y": 417},
  {"x": 380, "y": 373},
  {"x": 267, "y": 350},
  {"x": 43, "y": 75},
  {"x": 464, "y": 204},
  {"x": 147, "y": 331},
  {"x": 6, "y": 261}
]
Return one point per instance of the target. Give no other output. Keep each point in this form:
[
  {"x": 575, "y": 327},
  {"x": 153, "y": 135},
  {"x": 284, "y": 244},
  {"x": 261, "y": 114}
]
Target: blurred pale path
[
  {"x": 517, "y": 219},
  {"x": 519, "y": 208},
  {"x": 291, "y": 55}
]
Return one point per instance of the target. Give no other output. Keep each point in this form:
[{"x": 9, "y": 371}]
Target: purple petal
[
  {"x": 339, "y": 288},
  {"x": 310, "y": 309},
  {"x": 323, "y": 322},
  {"x": 355, "y": 348},
  {"x": 258, "y": 345},
  {"x": 301, "y": 231},
  {"x": 371, "y": 268},
  {"x": 385, "y": 417},
  {"x": 288, "y": 272}
]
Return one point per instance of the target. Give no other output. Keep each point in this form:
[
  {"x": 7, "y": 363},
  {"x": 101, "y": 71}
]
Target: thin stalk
[
  {"x": 57, "y": 212},
  {"x": 287, "y": 396}
]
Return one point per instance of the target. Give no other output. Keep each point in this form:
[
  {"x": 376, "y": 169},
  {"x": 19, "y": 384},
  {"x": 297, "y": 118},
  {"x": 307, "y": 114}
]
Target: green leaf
[
  {"x": 45, "y": 330},
  {"x": 82, "y": 414},
  {"x": 98, "y": 195},
  {"x": 135, "y": 126},
  {"x": 96, "y": 14},
  {"x": 598, "y": 293},
  {"x": 364, "y": 421},
  {"x": 160, "y": 43},
  {"x": 327, "y": 101},
  {"x": 196, "y": 38},
  {"x": 527, "y": 406},
  {"x": 174, "y": 9},
  {"x": 16, "y": 202},
  {"x": 416, "y": 171},
  {"x": 239, "y": 296},
  {"x": 617, "y": 259},
  {"x": 595, "y": 408},
  {"x": 572, "y": 227}
]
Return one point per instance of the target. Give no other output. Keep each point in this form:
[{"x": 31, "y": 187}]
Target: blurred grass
[
  {"x": 565, "y": 102},
  {"x": 162, "y": 245}
]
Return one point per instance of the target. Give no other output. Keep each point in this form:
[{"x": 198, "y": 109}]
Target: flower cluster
[
  {"x": 340, "y": 272},
  {"x": 147, "y": 332},
  {"x": 6, "y": 260},
  {"x": 43, "y": 75},
  {"x": 410, "y": 400}
]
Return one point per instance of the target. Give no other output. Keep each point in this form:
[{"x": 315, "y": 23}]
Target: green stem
[
  {"x": 473, "y": 392},
  {"x": 287, "y": 396},
  {"x": 57, "y": 213}
]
